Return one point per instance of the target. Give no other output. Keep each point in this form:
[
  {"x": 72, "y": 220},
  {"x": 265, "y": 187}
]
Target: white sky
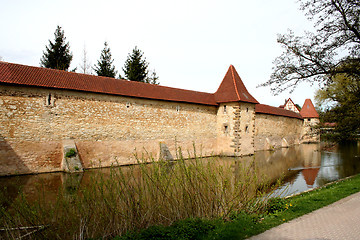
[{"x": 190, "y": 43}]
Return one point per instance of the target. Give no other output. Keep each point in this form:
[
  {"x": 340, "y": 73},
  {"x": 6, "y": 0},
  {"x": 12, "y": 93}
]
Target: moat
[{"x": 301, "y": 167}]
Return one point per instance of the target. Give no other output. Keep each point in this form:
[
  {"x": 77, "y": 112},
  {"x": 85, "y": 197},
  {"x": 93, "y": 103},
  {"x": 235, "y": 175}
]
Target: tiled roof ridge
[
  {"x": 117, "y": 79},
  {"x": 232, "y": 73},
  {"x": 266, "y": 109}
]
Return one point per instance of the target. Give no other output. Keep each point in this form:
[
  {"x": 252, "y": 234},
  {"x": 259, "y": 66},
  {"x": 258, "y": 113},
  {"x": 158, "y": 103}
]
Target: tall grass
[{"x": 135, "y": 198}]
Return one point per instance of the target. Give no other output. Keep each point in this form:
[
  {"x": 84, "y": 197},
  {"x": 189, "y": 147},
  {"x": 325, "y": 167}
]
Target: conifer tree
[
  {"x": 136, "y": 68},
  {"x": 152, "y": 78},
  {"x": 57, "y": 55},
  {"x": 104, "y": 66}
]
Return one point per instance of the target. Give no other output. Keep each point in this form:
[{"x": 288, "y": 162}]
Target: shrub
[
  {"x": 70, "y": 153},
  {"x": 276, "y": 205}
]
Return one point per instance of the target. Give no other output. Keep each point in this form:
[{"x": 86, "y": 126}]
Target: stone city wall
[
  {"x": 276, "y": 131},
  {"x": 106, "y": 129},
  {"x": 110, "y": 130}
]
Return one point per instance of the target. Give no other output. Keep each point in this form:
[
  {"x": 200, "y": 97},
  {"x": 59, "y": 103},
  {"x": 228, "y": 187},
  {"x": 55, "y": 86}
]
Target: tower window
[
  {"x": 226, "y": 129},
  {"x": 224, "y": 108},
  {"x": 246, "y": 129}
]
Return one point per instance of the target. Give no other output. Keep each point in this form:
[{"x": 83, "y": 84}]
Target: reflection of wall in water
[
  {"x": 275, "y": 164},
  {"x": 45, "y": 186},
  {"x": 311, "y": 155}
]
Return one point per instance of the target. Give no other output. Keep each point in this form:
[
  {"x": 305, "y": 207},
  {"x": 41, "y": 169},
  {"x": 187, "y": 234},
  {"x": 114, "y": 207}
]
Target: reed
[{"x": 143, "y": 195}]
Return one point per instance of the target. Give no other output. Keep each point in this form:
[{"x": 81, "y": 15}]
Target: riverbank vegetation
[
  {"x": 121, "y": 200},
  {"x": 244, "y": 224},
  {"x": 186, "y": 199}
]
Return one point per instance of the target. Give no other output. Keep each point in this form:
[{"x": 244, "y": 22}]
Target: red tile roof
[
  {"x": 266, "y": 109},
  {"x": 232, "y": 89},
  {"x": 327, "y": 124},
  {"x": 308, "y": 110},
  {"x": 43, "y": 77}
]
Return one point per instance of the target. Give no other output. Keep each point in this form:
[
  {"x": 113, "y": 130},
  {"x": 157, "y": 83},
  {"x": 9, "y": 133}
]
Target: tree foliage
[
  {"x": 136, "y": 68},
  {"x": 152, "y": 78},
  {"x": 57, "y": 55},
  {"x": 342, "y": 89},
  {"x": 320, "y": 53},
  {"x": 105, "y": 66},
  {"x": 342, "y": 96}
]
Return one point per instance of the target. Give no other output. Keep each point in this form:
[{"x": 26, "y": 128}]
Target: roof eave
[{"x": 112, "y": 94}]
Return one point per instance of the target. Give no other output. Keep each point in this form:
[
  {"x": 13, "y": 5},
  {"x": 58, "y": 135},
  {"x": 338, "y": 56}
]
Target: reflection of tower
[
  {"x": 311, "y": 155},
  {"x": 311, "y": 162},
  {"x": 310, "y": 175}
]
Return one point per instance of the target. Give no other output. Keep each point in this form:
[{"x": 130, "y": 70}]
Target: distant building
[{"x": 290, "y": 105}]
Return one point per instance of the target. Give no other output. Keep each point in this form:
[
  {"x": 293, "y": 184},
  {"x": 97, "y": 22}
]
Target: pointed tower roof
[
  {"x": 308, "y": 110},
  {"x": 232, "y": 89}
]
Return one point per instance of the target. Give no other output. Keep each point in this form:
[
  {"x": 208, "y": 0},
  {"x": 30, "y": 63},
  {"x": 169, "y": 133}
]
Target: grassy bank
[{"x": 243, "y": 224}]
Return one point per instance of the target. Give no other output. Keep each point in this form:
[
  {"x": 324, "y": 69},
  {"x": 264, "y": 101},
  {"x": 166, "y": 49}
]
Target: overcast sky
[{"x": 189, "y": 43}]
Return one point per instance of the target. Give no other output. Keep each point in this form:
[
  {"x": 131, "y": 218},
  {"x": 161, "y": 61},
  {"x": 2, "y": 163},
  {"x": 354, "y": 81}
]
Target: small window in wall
[
  {"x": 247, "y": 109},
  {"x": 226, "y": 129},
  {"x": 224, "y": 108},
  {"x": 50, "y": 100},
  {"x": 308, "y": 119},
  {"x": 177, "y": 108},
  {"x": 246, "y": 129},
  {"x": 127, "y": 105}
]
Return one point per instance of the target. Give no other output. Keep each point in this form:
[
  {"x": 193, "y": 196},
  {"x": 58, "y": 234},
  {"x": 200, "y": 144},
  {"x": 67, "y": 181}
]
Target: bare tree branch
[{"x": 313, "y": 56}]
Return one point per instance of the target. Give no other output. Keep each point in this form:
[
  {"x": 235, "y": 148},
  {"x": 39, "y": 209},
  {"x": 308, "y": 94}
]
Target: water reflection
[
  {"x": 320, "y": 168},
  {"x": 302, "y": 167}
]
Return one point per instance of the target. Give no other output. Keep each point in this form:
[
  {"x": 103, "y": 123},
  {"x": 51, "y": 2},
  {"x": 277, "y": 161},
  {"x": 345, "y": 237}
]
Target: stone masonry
[{"x": 107, "y": 130}]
